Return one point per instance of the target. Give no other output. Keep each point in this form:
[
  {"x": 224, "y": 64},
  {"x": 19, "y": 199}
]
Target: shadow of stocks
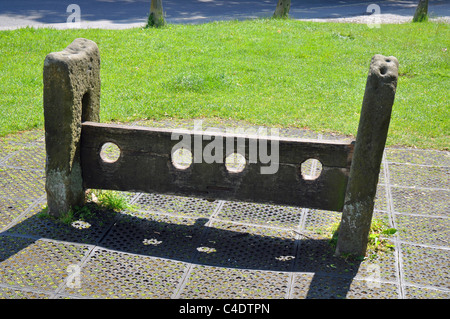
[{"x": 193, "y": 241}]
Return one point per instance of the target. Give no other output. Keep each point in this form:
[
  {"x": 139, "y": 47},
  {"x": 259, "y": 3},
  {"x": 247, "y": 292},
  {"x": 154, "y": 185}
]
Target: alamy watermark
[
  {"x": 375, "y": 16},
  {"x": 74, "y": 19},
  {"x": 374, "y": 276},
  {"x": 218, "y": 150},
  {"x": 74, "y": 279}
]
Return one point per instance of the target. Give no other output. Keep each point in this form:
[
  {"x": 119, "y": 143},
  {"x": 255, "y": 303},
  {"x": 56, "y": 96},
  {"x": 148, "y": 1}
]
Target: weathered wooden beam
[
  {"x": 365, "y": 168},
  {"x": 145, "y": 165}
]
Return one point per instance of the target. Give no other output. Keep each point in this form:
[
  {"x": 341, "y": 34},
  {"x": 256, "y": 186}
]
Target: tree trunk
[
  {"x": 282, "y": 10},
  {"x": 156, "y": 17},
  {"x": 421, "y": 11}
]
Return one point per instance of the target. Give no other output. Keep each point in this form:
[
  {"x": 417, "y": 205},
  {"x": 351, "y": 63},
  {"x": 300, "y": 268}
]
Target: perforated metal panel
[
  {"x": 423, "y": 230},
  {"x": 11, "y": 293},
  {"x": 419, "y": 176},
  {"x": 176, "y": 205},
  {"x": 243, "y": 246},
  {"x": 426, "y": 266},
  {"x": 29, "y": 158},
  {"x": 412, "y": 292},
  {"x": 218, "y": 282},
  {"x": 10, "y": 209},
  {"x": 433, "y": 202},
  {"x": 419, "y": 193},
  {"x": 156, "y": 235},
  {"x": 37, "y": 225},
  {"x": 37, "y": 264},
  {"x": 418, "y": 157},
  {"x": 313, "y": 286},
  {"x": 20, "y": 184},
  {"x": 113, "y": 274},
  {"x": 270, "y": 215}
]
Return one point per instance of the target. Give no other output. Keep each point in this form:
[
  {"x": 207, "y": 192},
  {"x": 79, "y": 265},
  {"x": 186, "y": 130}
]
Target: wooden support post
[
  {"x": 370, "y": 141},
  {"x": 71, "y": 96}
]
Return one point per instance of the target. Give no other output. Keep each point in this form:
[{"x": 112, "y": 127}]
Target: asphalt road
[{"x": 129, "y": 13}]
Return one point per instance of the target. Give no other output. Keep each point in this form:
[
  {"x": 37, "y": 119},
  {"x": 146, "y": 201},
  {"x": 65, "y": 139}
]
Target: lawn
[{"x": 267, "y": 72}]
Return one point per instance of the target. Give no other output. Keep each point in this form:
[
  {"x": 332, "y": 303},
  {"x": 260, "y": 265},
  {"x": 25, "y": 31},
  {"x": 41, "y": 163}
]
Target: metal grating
[
  {"x": 112, "y": 274},
  {"x": 177, "y": 247},
  {"x": 419, "y": 176},
  {"x": 426, "y": 266},
  {"x": 156, "y": 235},
  {"x": 381, "y": 200},
  {"x": 176, "y": 205},
  {"x": 412, "y": 292},
  {"x": 217, "y": 282},
  {"x": 418, "y": 157},
  {"x": 433, "y": 202},
  {"x": 316, "y": 255},
  {"x": 320, "y": 223},
  {"x": 89, "y": 231},
  {"x": 269, "y": 215},
  {"x": 29, "y": 158},
  {"x": 40, "y": 265},
  {"x": 20, "y": 184},
  {"x": 11, "y": 293},
  {"x": 10, "y": 209},
  {"x": 423, "y": 230},
  {"x": 313, "y": 286},
  {"x": 246, "y": 246}
]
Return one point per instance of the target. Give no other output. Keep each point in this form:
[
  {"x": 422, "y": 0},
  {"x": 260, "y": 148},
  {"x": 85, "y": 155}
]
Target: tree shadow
[{"x": 198, "y": 241}]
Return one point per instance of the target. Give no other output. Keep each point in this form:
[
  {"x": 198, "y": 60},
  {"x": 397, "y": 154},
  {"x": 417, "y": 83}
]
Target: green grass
[
  {"x": 378, "y": 240},
  {"x": 265, "y": 71},
  {"x": 97, "y": 202}
]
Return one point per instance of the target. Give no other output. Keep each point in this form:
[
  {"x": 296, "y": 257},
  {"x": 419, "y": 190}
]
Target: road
[{"x": 132, "y": 13}]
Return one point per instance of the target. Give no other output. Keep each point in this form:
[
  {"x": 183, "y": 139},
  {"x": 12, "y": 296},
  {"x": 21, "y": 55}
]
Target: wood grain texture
[{"x": 145, "y": 165}]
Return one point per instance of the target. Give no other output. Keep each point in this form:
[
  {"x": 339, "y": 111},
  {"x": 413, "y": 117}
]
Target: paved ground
[
  {"x": 133, "y": 13},
  {"x": 174, "y": 247}
]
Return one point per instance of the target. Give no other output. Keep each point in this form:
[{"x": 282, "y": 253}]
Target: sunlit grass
[{"x": 267, "y": 72}]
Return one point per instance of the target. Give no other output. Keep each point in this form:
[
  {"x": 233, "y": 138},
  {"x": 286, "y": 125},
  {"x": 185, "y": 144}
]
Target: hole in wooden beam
[
  {"x": 235, "y": 163},
  {"x": 109, "y": 152},
  {"x": 311, "y": 169},
  {"x": 182, "y": 158}
]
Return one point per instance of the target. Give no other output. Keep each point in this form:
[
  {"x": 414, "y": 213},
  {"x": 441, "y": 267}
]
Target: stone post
[
  {"x": 370, "y": 141},
  {"x": 71, "y": 95}
]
